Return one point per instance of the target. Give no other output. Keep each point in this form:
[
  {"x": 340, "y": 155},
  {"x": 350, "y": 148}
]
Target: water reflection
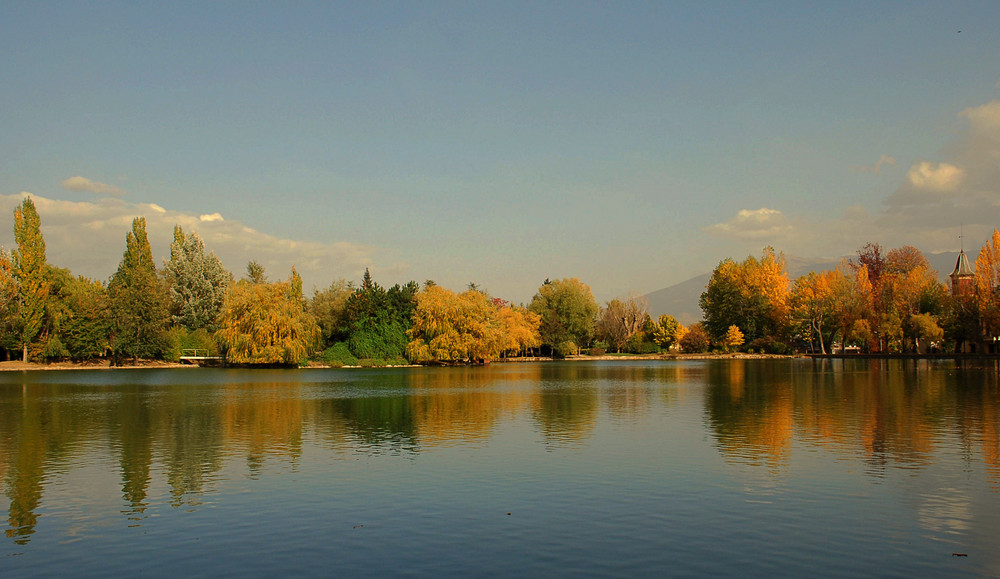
[
  {"x": 891, "y": 413},
  {"x": 187, "y": 426}
]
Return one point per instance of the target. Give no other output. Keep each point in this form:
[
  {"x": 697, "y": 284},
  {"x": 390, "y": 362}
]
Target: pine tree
[{"x": 29, "y": 269}]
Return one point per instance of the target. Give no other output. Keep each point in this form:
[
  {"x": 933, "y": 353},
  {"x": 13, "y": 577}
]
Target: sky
[{"x": 632, "y": 145}]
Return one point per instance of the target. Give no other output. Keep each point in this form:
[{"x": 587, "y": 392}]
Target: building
[{"x": 963, "y": 278}]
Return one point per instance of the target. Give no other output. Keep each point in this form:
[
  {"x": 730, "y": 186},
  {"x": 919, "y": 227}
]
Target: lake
[{"x": 607, "y": 468}]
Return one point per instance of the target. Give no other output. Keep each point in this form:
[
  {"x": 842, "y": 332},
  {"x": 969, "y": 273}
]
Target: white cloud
[
  {"x": 88, "y": 237},
  {"x": 984, "y": 119},
  {"x": 940, "y": 178},
  {"x": 754, "y": 224},
  {"x": 877, "y": 167},
  {"x": 79, "y": 183}
]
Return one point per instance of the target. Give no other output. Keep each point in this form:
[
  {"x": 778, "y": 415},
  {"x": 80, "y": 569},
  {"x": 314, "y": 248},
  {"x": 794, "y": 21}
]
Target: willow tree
[
  {"x": 137, "y": 300},
  {"x": 265, "y": 323},
  {"x": 468, "y": 326},
  {"x": 29, "y": 269}
]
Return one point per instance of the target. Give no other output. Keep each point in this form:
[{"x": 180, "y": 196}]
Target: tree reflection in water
[{"x": 187, "y": 426}]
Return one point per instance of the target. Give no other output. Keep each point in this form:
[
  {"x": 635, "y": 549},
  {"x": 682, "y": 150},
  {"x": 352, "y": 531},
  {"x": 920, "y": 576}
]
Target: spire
[{"x": 962, "y": 267}]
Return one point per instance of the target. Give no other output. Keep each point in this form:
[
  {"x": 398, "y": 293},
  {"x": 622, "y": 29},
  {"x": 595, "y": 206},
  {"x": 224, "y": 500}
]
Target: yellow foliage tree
[
  {"x": 266, "y": 323},
  {"x": 733, "y": 339},
  {"x": 812, "y": 303},
  {"x": 752, "y": 294},
  {"x": 987, "y": 294},
  {"x": 468, "y": 326}
]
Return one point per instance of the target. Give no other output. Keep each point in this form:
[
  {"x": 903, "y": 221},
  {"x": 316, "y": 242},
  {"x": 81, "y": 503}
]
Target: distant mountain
[{"x": 681, "y": 300}]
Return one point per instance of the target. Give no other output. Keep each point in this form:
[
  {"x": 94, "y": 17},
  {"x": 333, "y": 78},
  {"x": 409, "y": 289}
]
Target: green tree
[
  {"x": 665, "y": 331},
  {"x": 255, "y": 272},
  {"x": 328, "y": 306},
  {"x": 138, "y": 301},
  {"x": 376, "y": 319},
  {"x": 29, "y": 269},
  {"x": 197, "y": 281},
  {"x": 568, "y": 313}
]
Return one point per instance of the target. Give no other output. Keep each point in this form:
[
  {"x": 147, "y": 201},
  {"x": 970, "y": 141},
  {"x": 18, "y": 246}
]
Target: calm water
[{"x": 739, "y": 467}]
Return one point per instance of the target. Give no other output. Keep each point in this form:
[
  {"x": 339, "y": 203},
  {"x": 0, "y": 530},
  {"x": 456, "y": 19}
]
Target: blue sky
[{"x": 632, "y": 145}]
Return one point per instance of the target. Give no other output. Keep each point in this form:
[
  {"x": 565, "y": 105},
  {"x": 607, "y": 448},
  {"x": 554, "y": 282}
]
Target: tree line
[
  {"x": 877, "y": 301},
  {"x": 193, "y": 302}
]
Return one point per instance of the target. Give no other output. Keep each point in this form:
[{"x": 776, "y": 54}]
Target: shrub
[
  {"x": 339, "y": 355},
  {"x": 178, "y": 339},
  {"x": 768, "y": 345},
  {"x": 649, "y": 348},
  {"x": 385, "y": 341},
  {"x": 564, "y": 349},
  {"x": 54, "y": 350},
  {"x": 695, "y": 340},
  {"x": 596, "y": 352}
]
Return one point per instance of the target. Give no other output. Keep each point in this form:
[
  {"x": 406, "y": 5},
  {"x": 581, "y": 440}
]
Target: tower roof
[{"x": 962, "y": 267}]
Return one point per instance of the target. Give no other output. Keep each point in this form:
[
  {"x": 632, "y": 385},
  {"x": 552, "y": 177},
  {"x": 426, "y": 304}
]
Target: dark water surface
[{"x": 734, "y": 467}]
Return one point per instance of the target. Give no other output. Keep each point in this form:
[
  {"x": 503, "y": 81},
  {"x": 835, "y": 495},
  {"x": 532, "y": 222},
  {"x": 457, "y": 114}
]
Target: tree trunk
[{"x": 24, "y": 356}]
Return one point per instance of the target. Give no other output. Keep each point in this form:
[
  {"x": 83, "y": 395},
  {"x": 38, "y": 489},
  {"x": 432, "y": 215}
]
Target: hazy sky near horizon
[{"x": 630, "y": 144}]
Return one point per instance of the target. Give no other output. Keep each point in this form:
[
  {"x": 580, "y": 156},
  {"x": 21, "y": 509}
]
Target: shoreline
[{"x": 18, "y": 366}]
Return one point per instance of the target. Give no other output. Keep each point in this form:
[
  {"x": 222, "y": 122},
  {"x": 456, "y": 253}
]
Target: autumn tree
[
  {"x": 853, "y": 305},
  {"x": 265, "y": 323},
  {"x": 567, "y": 310},
  {"x": 138, "y": 301},
  {"x": 665, "y": 333},
  {"x": 468, "y": 326},
  {"x": 8, "y": 301},
  {"x": 812, "y": 303},
  {"x": 752, "y": 294},
  {"x": 987, "y": 292},
  {"x": 733, "y": 338},
  {"x": 925, "y": 331},
  {"x": 621, "y": 319},
  {"x": 28, "y": 262},
  {"x": 910, "y": 289},
  {"x": 611, "y": 325},
  {"x": 197, "y": 281},
  {"x": 695, "y": 339}
]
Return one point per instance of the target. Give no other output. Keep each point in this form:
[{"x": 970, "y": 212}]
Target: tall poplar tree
[
  {"x": 138, "y": 303},
  {"x": 29, "y": 269}
]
